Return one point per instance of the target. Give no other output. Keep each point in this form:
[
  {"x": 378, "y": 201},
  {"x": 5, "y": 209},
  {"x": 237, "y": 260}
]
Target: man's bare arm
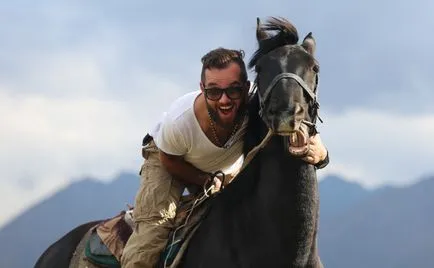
[{"x": 182, "y": 170}]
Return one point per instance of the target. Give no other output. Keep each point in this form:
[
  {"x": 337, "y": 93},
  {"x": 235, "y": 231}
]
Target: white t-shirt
[{"x": 179, "y": 133}]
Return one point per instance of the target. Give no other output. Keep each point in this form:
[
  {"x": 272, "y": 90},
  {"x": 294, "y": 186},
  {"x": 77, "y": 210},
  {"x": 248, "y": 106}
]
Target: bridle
[{"x": 312, "y": 94}]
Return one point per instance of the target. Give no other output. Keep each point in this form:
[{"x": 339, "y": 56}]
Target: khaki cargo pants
[{"x": 154, "y": 211}]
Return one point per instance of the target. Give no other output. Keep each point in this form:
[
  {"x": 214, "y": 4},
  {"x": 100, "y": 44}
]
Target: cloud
[
  {"x": 73, "y": 109},
  {"x": 81, "y": 85},
  {"x": 48, "y": 141},
  {"x": 375, "y": 147}
]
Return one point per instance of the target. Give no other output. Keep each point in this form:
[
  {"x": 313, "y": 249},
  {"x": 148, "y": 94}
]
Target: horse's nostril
[{"x": 298, "y": 109}]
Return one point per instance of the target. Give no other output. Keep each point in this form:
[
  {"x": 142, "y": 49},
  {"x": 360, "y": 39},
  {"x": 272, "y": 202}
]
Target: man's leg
[{"x": 154, "y": 212}]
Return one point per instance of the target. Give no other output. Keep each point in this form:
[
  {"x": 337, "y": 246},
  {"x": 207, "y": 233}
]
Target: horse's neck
[
  {"x": 271, "y": 204},
  {"x": 284, "y": 184},
  {"x": 275, "y": 172},
  {"x": 279, "y": 173}
]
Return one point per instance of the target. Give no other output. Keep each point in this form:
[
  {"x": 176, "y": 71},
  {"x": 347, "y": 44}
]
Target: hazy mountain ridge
[
  {"x": 30, "y": 233},
  {"x": 386, "y": 227},
  {"x": 393, "y": 228}
]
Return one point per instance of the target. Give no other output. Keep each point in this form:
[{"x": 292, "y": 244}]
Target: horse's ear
[
  {"x": 260, "y": 33},
  {"x": 309, "y": 43}
]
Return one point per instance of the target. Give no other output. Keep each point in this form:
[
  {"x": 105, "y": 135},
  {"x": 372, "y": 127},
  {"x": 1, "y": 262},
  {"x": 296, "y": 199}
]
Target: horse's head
[{"x": 286, "y": 81}]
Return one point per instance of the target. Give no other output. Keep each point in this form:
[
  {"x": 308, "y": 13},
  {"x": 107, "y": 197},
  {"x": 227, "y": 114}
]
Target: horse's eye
[{"x": 316, "y": 68}]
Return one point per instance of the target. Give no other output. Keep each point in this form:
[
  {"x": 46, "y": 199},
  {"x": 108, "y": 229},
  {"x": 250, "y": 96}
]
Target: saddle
[{"x": 107, "y": 240}]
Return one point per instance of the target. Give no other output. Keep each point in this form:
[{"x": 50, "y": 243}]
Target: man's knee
[{"x": 145, "y": 245}]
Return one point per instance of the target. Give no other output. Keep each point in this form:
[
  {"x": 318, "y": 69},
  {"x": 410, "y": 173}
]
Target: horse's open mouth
[{"x": 298, "y": 143}]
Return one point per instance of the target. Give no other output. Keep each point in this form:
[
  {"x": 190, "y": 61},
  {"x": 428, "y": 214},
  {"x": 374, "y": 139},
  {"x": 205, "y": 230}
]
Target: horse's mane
[
  {"x": 286, "y": 35},
  {"x": 252, "y": 138}
]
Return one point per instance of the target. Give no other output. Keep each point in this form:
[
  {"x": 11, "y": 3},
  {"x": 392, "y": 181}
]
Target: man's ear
[
  {"x": 202, "y": 86},
  {"x": 246, "y": 89},
  {"x": 247, "y": 84}
]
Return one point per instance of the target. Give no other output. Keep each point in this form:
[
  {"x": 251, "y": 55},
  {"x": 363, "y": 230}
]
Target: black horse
[{"x": 268, "y": 216}]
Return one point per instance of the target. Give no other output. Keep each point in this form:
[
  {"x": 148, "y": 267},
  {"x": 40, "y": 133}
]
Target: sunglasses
[{"x": 215, "y": 93}]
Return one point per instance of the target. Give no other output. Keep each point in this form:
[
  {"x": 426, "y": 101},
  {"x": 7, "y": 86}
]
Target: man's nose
[{"x": 224, "y": 98}]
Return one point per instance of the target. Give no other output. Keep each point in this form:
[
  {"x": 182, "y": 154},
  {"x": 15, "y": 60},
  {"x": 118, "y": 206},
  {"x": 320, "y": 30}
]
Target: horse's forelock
[{"x": 285, "y": 34}]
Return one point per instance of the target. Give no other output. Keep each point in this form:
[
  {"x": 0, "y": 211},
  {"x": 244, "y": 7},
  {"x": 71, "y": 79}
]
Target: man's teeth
[{"x": 226, "y": 107}]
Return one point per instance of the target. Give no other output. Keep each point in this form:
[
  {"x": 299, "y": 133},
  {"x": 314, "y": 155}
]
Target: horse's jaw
[{"x": 295, "y": 142}]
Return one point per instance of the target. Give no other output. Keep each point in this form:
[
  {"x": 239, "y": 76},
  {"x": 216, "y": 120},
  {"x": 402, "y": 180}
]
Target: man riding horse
[{"x": 201, "y": 133}]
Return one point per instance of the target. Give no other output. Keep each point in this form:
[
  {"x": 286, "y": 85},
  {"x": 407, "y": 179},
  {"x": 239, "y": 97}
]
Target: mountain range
[{"x": 385, "y": 227}]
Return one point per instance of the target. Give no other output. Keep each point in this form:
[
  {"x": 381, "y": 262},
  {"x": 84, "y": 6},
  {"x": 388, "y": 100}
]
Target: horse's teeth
[{"x": 294, "y": 138}]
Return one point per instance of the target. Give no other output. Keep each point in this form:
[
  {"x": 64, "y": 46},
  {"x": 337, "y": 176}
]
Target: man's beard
[{"x": 216, "y": 118}]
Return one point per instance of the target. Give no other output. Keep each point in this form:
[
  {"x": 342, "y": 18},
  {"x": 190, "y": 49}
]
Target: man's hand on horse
[
  {"x": 217, "y": 185},
  {"x": 317, "y": 151}
]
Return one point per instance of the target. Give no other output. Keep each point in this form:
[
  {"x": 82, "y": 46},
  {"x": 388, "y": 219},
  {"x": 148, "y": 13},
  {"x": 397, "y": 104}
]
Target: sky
[{"x": 82, "y": 82}]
